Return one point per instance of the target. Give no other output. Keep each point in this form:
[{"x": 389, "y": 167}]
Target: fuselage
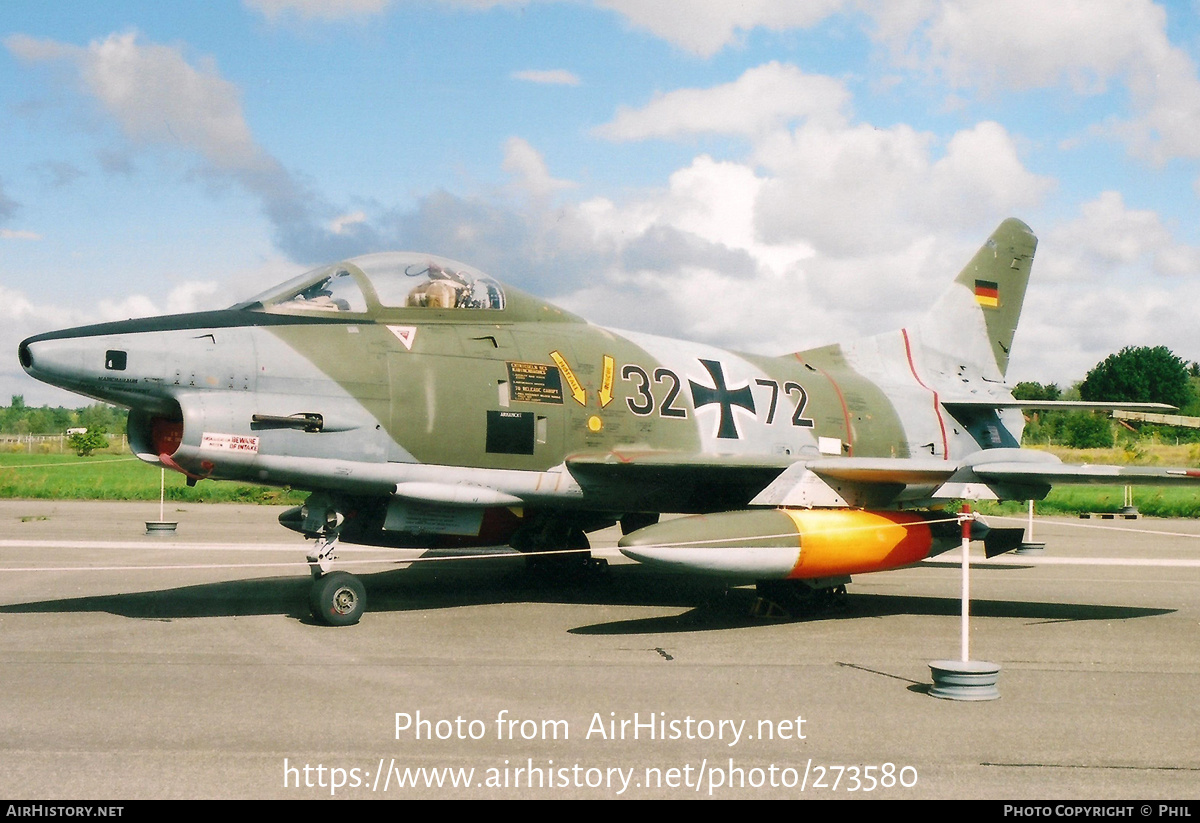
[
  {"x": 424, "y": 404},
  {"x": 374, "y": 376}
]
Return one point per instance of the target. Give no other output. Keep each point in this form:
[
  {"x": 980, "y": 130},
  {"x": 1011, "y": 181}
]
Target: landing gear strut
[
  {"x": 798, "y": 598},
  {"x": 337, "y": 598},
  {"x": 559, "y": 552}
]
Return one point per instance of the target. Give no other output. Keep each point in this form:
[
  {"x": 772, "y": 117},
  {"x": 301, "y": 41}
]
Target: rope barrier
[
  {"x": 290, "y": 564},
  {"x": 340, "y": 562},
  {"x": 71, "y": 465},
  {"x": 488, "y": 555},
  {"x": 790, "y": 535},
  {"x": 1095, "y": 526}
]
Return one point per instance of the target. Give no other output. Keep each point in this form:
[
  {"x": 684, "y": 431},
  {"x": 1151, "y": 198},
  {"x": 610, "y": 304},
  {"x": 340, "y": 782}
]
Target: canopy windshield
[
  {"x": 396, "y": 279},
  {"x": 403, "y": 279},
  {"x": 327, "y": 289}
]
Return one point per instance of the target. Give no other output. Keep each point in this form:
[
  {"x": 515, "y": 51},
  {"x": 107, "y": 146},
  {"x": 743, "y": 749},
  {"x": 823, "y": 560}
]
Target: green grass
[
  {"x": 123, "y": 477},
  {"x": 1151, "y": 501},
  {"x": 119, "y": 477}
]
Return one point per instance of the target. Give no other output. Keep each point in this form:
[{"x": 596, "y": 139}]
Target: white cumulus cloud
[
  {"x": 528, "y": 168},
  {"x": 18, "y": 234},
  {"x": 763, "y": 98},
  {"x": 1109, "y": 239},
  {"x": 1086, "y": 47},
  {"x": 866, "y": 188},
  {"x": 318, "y": 9},
  {"x": 159, "y": 97},
  {"x": 548, "y": 77},
  {"x": 704, "y": 27},
  {"x": 156, "y": 96}
]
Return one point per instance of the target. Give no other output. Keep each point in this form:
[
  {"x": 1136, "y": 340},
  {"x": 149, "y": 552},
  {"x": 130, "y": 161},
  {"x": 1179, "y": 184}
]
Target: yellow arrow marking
[
  {"x": 577, "y": 391},
  {"x": 606, "y": 381}
]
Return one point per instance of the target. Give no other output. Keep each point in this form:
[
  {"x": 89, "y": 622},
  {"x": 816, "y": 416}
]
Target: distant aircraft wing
[
  {"x": 1052, "y": 405},
  {"x": 1050, "y": 474},
  {"x": 1006, "y": 474},
  {"x": 1024, "y": 469}
]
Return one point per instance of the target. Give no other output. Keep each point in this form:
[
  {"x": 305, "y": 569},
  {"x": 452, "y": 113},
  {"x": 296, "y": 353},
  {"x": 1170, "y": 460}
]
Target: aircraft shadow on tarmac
[{"x": 710, "y": 604}]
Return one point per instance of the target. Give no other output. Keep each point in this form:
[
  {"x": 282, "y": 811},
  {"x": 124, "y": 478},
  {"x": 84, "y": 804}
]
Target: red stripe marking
[
  {"x": 167, "y": 461},
  {"x": 937, "y": 405},
  {"x": 845, "y": 411}
]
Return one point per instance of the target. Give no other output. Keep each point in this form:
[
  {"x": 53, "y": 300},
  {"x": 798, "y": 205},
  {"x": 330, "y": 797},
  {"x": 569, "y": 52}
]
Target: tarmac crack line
[{"x": 1095, "y": 766}]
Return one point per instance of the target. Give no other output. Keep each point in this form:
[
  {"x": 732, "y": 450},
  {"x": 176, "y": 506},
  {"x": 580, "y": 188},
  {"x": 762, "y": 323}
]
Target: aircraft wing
[
  {"x": 706, "y": 482},
  {"x": 907, "y": 470},
  {"x": 625, "y": 466},
  {"x": 655, "y": 458},
  {"x": 695, "y": 482},
  {"x": 679, "y": 481},
  {"x": 1006, "y": 474}
]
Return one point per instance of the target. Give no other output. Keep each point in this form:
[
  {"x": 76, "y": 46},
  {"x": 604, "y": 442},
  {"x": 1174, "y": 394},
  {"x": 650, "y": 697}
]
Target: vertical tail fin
[{"x": 985, "y": 300}]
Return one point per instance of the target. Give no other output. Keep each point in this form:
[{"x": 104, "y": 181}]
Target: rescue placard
[{"x": 534, "y": 383}]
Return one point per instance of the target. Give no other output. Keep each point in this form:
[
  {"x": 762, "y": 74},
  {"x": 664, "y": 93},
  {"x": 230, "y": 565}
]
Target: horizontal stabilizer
[{"x": 1001, "y": 541}]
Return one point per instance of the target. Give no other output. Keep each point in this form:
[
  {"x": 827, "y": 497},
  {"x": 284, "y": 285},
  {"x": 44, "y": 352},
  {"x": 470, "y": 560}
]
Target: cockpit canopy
[{"x": 389, "y": 280}]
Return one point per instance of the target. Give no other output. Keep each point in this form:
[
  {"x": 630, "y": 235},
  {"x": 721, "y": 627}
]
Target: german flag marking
[{"x": 987, "y": 293}]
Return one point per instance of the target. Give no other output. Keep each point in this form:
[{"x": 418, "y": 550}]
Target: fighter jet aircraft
[{"x": 424, "y": 404}]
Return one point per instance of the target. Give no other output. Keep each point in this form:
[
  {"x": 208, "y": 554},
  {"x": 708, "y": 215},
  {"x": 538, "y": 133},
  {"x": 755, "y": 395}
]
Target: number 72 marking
[
  {"x": 642, "y": 402},
  {"x": 790, "y": 387}
]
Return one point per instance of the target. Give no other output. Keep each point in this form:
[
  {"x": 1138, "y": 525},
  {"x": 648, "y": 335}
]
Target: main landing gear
[
  {"x": 786, "y": 599},
  {"x": 560, "y": 552}
]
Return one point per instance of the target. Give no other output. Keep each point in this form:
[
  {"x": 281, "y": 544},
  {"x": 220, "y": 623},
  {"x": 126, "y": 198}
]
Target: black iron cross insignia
[{"x": 728, "y": 398}]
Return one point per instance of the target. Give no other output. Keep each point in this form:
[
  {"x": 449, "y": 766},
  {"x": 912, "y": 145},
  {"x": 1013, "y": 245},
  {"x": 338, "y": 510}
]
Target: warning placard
[
  {"x": 534, "y": 383},
  {"x": 229, "y": 442}
]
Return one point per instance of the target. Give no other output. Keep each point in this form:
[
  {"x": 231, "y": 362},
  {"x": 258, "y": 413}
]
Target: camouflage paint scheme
[{"x": 426, "y": 404}]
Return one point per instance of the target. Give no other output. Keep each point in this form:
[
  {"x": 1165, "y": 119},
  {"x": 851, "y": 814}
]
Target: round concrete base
[
  {"x": 1031, "y": 548},
  {"x": 959, "y": 680},
  {"x": 163, "y": 528}
]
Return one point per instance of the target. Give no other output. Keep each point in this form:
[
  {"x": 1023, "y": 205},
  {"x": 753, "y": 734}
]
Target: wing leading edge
[{"x": 705, "y": 482}]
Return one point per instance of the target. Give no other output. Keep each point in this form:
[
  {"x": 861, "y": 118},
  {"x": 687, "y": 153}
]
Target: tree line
[
  {"x": 17, "y": 418},
  {"x": 1140, "y": 374}
]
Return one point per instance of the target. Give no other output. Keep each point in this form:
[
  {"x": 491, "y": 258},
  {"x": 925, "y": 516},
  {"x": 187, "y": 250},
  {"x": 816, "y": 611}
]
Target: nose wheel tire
[{"x": 338, "y": 599}]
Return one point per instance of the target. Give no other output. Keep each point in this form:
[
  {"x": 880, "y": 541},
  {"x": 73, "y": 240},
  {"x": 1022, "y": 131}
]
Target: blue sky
[{"x": 762, "y": 175}]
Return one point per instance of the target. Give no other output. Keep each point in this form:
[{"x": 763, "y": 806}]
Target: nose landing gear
[{"x": 337, "y": 598}]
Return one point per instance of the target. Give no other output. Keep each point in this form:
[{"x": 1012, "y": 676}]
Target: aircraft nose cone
[
  {"x": 55, "y": 361},
  {"x": 25, "y": 355}
]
